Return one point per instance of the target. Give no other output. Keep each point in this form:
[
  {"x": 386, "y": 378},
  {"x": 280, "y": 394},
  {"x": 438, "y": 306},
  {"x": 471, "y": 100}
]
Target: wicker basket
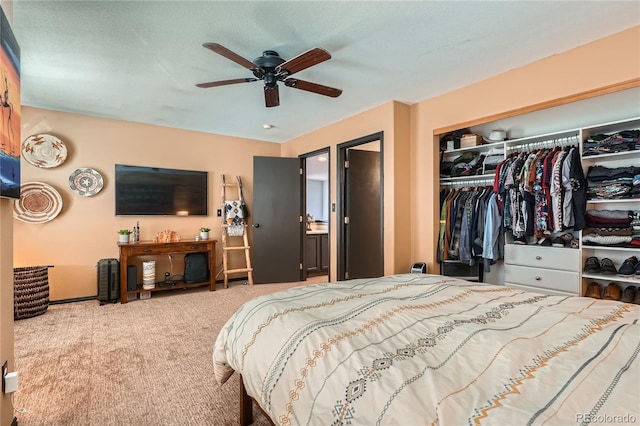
[{"x": 30, "y": 291}]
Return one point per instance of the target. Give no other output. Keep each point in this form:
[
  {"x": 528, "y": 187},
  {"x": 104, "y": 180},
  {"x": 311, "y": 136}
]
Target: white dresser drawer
[
  {"x": 542, "y": 278},
  {"x": 563, "y": 259},
  {"x": 539, "y": 290}
]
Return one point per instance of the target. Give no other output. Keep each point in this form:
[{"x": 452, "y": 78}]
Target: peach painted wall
[
  {"x": 392, "y": 119},
  {"x": 588, "y": 67},
  {"x": 85, "y": 230}
]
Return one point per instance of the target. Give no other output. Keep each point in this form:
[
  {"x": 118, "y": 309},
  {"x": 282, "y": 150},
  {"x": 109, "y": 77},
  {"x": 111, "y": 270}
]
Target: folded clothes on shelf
[
  {"x": 613, "y": 182},
  {"x": 468, "y": 164},
  {"x": 616, "y": 228},
  {"x": 602, "y": 143}
]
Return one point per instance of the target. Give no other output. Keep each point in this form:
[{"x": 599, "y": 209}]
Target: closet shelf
[
  {"x": 470, "y": 178},
  {"x": 616, "y": 201},
  {"x": 571, "y": 137},
  {"x": 611, "y": 156},
  {"x": 617, "y": 278},
  {"x": 629, "y": 249},
  {"x": 477, "y": 148}
]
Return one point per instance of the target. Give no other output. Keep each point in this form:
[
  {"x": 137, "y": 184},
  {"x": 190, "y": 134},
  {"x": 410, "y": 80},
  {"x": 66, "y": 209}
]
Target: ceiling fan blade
[
  {"x": 313, "y": 87},
  {"x": 303, "y": 61},
  {"x": 271, "y": 96},
  {"x": 221, "y": 50},
  {"x": 225, "y": 82}
]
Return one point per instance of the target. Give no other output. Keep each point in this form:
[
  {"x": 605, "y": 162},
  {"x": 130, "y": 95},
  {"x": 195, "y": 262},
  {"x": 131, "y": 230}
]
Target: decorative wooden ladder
[{"x": 239, "y": 223}]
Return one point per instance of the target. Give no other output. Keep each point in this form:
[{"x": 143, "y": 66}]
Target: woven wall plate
[
  {"x": 38, "y": 203},
  {"x": 85, "y": 182},
  {"x": 43, "y": 150}
]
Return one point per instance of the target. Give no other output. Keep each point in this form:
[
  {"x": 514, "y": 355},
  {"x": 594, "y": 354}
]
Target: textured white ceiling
[{"x": 140, "y": 60}]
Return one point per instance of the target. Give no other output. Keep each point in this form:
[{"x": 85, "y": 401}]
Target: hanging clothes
[
  {"x": 544, "y": 191},
  {"x": 464, "y": 232}
]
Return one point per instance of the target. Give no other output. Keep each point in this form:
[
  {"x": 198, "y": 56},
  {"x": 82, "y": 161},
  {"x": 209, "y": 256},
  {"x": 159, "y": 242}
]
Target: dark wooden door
[
  {"x": 277, "y": 230},
  {"x": 363, "y": 233}
]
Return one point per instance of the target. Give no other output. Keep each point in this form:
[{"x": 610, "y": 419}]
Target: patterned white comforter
[{"x": 420, "y": 349}]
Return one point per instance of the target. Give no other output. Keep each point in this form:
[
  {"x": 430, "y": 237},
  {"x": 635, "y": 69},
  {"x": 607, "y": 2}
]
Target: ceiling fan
[{"x": 271, "y": 68}]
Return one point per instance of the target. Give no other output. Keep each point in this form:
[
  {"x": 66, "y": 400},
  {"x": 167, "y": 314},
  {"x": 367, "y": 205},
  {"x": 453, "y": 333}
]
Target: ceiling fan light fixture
[{"x": 271, "y": 68}]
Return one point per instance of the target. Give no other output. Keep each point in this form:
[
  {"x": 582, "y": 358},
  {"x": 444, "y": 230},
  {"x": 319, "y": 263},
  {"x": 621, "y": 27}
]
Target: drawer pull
[
  {"x": 194, "y": 247},
  {"x": 538, "y": 257},
  {"x": 147, "y": 251},
  {"x": 538, "y": 278}
]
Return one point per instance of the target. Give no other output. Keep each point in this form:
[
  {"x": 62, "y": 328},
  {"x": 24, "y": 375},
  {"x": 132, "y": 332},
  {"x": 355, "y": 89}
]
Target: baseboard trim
[
  {"x": 75, "y": 299},
  {"x": 83, "y": 299}
]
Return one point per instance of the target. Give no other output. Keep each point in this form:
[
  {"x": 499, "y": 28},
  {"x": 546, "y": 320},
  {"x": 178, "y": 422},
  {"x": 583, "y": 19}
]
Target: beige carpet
[{"x": 147, "y": 362}]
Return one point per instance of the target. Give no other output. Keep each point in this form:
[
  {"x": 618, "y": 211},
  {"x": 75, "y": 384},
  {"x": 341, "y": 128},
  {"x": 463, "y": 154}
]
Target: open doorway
[{"x": 317, "y": 211}]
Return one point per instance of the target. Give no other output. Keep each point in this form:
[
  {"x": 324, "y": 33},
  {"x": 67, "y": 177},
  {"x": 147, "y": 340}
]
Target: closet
[{"x": 528, "y": 258}]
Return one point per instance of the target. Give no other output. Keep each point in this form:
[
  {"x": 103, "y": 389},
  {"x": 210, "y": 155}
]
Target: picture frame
[{"x": 10, "y": 145}]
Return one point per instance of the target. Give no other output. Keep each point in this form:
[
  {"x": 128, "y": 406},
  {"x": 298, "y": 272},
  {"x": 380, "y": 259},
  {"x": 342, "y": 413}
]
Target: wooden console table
[{"x": 128, "y": 250}]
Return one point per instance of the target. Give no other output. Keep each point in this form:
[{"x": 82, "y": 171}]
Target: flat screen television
[{"x": 146, "y": 191}]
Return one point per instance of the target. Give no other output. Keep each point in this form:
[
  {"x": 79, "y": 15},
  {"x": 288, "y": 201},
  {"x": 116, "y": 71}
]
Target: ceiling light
[{"x": 267, "y": 126}]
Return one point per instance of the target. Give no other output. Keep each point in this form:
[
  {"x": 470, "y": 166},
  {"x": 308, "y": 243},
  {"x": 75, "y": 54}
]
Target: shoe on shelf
[
  {"x": 629, "y": 294},
  {"x": 563, "y": 240},
  {"x": 591, "y": 265},
  {"x": 544, "y": 242},
  {"x": 636, "y": 299},
  {"x": 612, "y": 292},
  {"x": 574, "y": 244},
  {"x": 607, "y": 267},
  {"x": 628, "y": 267},
  {"x": 637, "y": 273},
  {"x": 520, "y": 240},
  {"x": 594, "y": 291}
]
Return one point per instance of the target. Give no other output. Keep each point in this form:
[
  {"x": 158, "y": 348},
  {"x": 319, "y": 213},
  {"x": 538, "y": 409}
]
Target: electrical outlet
[{"x": 219, "y": 213}]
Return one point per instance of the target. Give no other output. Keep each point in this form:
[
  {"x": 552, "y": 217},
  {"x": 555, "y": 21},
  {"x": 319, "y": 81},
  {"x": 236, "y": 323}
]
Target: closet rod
[
  {"x": 566, "y": 141},
  {"x": 469, "y": 182}
]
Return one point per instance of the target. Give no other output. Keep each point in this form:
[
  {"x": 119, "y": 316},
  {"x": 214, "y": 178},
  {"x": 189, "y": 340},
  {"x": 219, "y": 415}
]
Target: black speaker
[
  {"x": 196, "y": 267},
  {"x": 132, "y": 277}
]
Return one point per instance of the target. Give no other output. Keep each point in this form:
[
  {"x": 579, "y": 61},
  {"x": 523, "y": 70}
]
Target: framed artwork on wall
[{"x": 10, "y": 114}]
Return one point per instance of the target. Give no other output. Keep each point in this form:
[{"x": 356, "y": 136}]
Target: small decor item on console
[
  {"x": 167, "y": 236},
  {"x": 123, "y": 235},
  {"x": 136, "y": 233},
  {"x": 204, "y": 233},
  {"x": 149, "y": 274}
]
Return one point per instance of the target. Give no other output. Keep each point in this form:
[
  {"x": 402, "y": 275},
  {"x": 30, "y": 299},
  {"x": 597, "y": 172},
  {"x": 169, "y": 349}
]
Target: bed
[{"x": 420, "y": 349}]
